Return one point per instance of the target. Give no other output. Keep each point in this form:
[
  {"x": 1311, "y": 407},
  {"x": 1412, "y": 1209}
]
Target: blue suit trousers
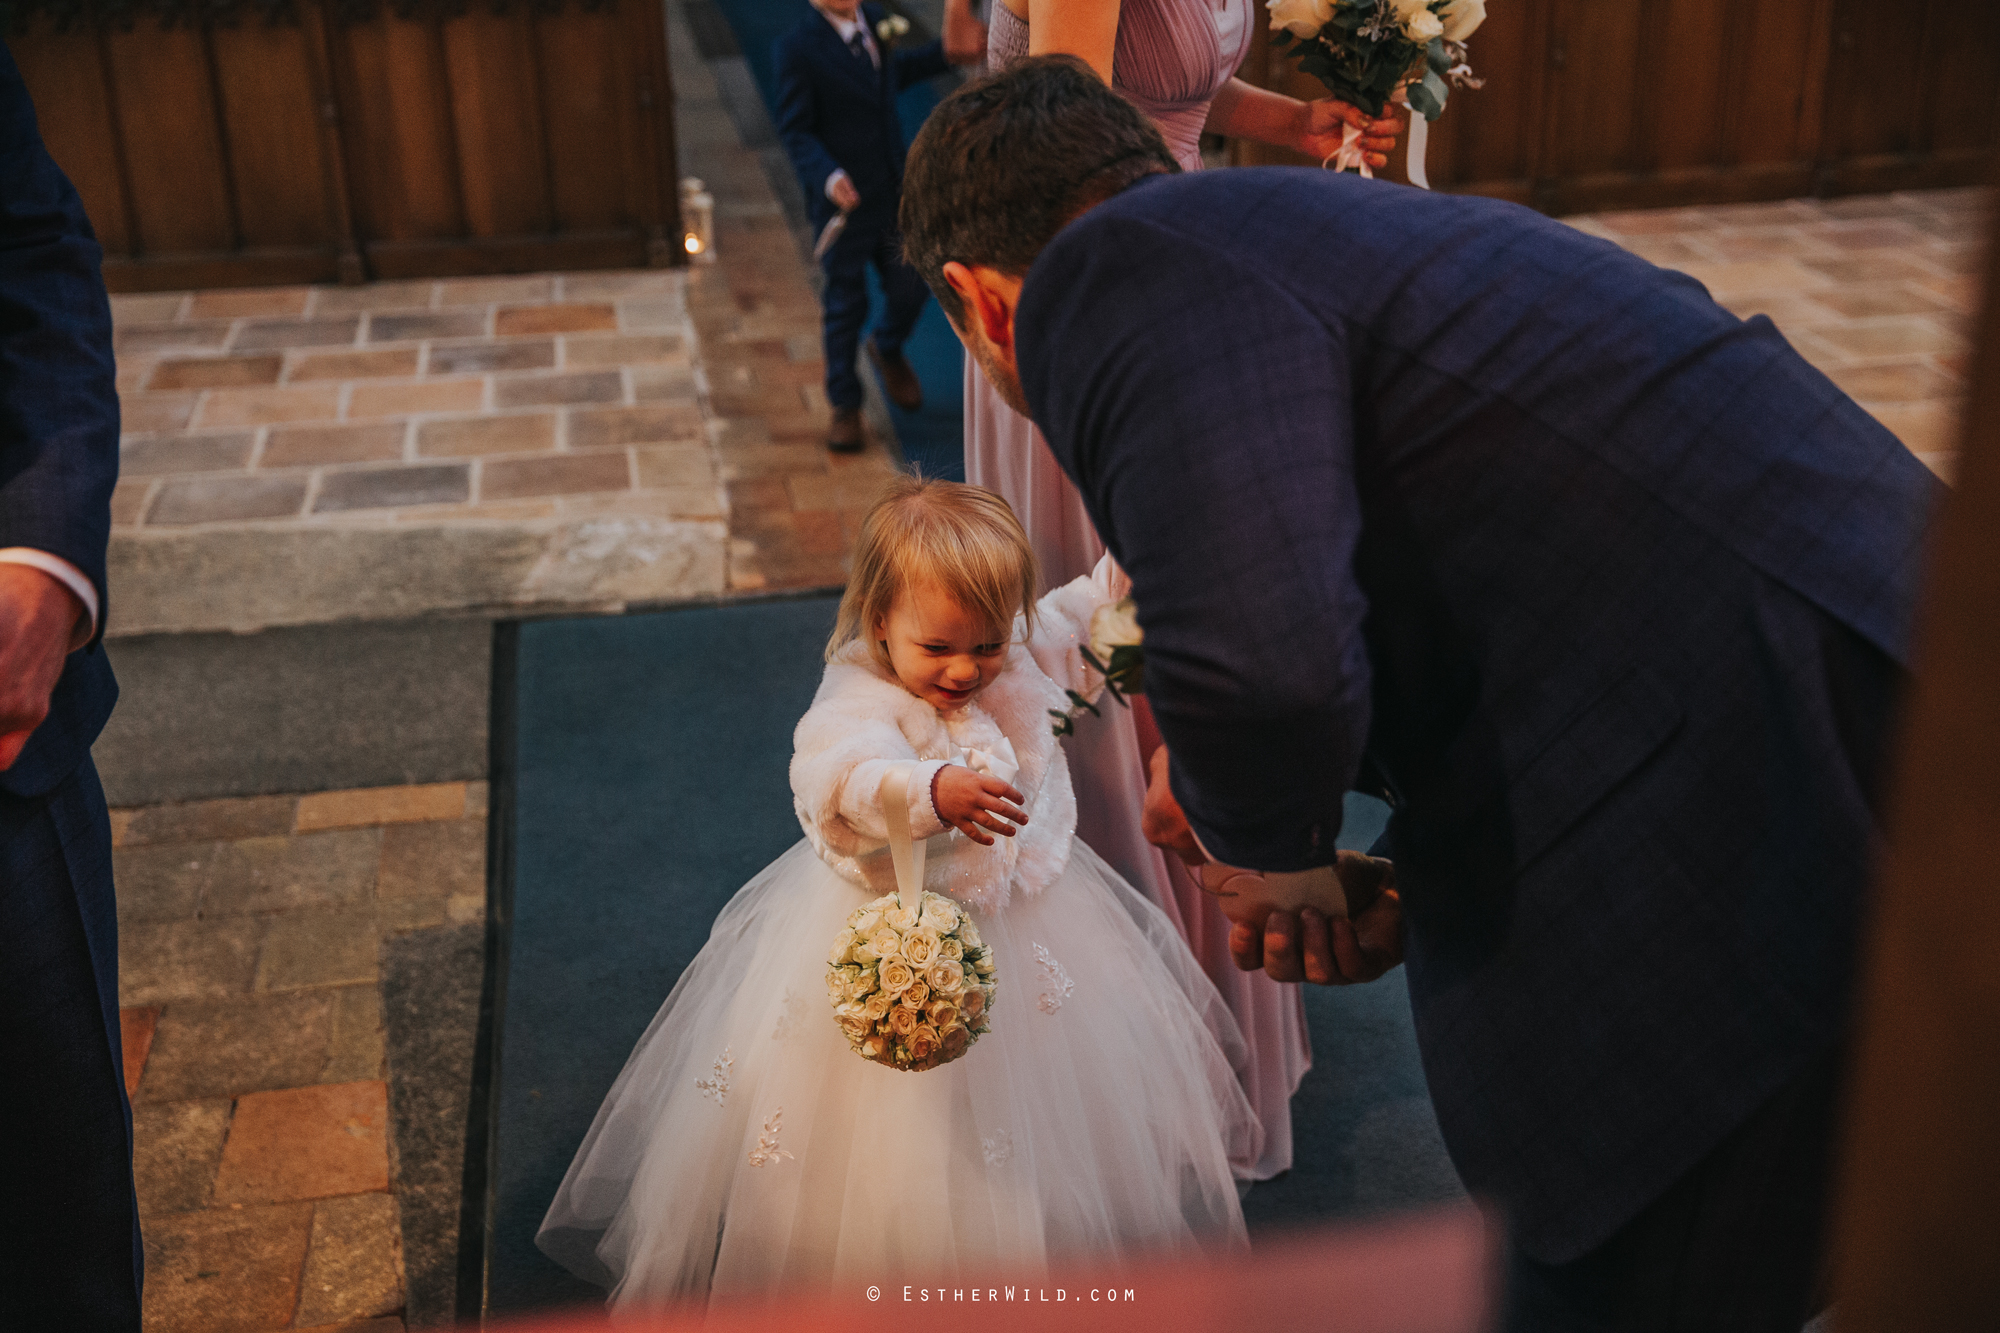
[
  {"x": 870, "y": 238},
  {"x": 69, "y": 1232}
]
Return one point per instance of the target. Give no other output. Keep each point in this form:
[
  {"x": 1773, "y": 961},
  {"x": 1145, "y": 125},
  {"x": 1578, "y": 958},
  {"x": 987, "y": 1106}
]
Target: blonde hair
[{"x": 963, "y": 539}]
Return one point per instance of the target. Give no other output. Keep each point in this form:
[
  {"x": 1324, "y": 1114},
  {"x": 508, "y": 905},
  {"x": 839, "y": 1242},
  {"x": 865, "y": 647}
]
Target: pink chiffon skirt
[{"x": 1107, "y": 758}]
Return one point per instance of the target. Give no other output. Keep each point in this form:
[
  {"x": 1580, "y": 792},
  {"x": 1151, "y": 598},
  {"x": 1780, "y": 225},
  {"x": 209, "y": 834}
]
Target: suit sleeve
[
  {"x": 920, "y": 63},
  {"x": 1205, "y": 416},
  {"x": 798, "y": 119},
  {"x": 58, "y": 384}
]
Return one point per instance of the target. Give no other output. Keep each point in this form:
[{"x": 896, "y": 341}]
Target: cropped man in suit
[
  {"x": 838, "y": 77},
  {"x": 1607, "y": 590},
  {"x": 69, "y": 1233}
]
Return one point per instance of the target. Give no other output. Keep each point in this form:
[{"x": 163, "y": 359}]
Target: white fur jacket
[{"x": 862, "y": 721}]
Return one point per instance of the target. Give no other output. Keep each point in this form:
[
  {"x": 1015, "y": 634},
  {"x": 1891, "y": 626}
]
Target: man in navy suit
[
  {"x": 69, "y": 1233},
  {"x": 838, "y": 76},
  {"x": 1607, "y": 591}
]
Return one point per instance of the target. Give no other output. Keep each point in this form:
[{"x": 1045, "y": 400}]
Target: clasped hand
[
  {"x": 38, "y": 623},
  {"x": 1338, "y": 943},
  {"x": 1324, "y": 123}
]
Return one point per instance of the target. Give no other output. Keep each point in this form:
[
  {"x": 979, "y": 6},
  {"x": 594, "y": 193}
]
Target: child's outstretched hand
[{"x": 972, "y": 803}]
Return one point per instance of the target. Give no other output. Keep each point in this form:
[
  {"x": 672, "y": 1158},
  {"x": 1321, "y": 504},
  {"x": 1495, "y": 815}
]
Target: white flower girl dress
[{"x": 746, "y": 1148}]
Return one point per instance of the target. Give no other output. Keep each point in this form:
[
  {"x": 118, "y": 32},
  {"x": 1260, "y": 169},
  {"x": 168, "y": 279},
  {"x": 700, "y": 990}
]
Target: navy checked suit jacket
[
  {"x": 837, "y": 111},
  {"x": 1606, "y": 589},
  {"x": 58, "y": 414}
]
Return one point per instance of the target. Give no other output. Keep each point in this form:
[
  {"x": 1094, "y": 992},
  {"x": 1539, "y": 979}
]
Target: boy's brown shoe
[{"x": 845, "y": 436}]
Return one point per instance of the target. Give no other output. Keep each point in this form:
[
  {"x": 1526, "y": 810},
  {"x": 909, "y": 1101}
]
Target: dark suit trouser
[
  {"x": 1734, "y": 1246},
  {"x": 69, "y": 1224},
  {"x": 867, "y": 240}
]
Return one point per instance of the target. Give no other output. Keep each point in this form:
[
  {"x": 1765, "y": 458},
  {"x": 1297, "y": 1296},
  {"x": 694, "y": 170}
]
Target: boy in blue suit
[{"x": 838, "y": 76}]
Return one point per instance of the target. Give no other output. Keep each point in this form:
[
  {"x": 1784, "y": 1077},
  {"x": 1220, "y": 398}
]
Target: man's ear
[{"x": 988, "y": 298}]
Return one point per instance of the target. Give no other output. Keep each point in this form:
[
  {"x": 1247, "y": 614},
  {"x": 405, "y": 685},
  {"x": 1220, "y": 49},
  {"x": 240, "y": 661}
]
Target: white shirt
[
  {"x": 847, "y": 28},
  {"x": 68, "y": 575}
]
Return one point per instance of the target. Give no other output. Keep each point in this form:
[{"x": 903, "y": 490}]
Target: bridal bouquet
[
  {"x": 1116, "y": 651},
  {"x": 911, "y": 990},
  {"x": 1365, "y": 50}
]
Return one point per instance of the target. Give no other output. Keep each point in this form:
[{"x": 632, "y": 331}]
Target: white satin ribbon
[
  {"x": 1349, "y": 154},
  {"x": 1420, "y": 134},
  {"x": 907, "y": 854}
]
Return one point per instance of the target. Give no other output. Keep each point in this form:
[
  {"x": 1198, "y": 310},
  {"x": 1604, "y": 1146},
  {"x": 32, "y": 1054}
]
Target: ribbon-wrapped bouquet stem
[{"x": 1370, "y": 53}]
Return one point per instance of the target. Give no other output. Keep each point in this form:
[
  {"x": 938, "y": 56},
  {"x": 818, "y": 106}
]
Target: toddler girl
[{"x": 746, "y": 1147}]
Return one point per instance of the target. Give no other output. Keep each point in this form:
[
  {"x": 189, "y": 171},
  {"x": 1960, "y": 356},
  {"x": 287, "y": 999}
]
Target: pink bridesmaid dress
[{"x": 1171, "y": 58}]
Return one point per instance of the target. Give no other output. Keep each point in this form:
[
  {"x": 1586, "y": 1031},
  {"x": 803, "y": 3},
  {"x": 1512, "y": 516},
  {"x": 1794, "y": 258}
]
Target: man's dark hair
[{"x": 1008, "y": 159}]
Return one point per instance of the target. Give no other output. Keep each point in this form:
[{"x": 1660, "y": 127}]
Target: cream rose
[
  {"x": 917, "y": 995},
  {"x": 865, "y": 921},
  {"x": 885, "y": 943},
  {"x": 923, "y": 1042},
  {"x": 983, "y": 964},
  {"x": 1462, "y": 18},
  {"x": 968, "y": 933},
  {"x": 920, "y": 946},
  {"x": 900, "y": 918},
  {"x": 1301, "y": 18},
  {"x": 943, "y": 1013},
  {"x": 843, "y": 945},
  {"x": 949, "y": 947},
  {"x": 939, "y": 914},
  {"x": 855, "y": 1023},
  {"x": 877, "y": 1006},
  {"x": 1116, "y": 624},
  {"x": 902, "y": 1021},
  {"x": 953, "y": 1040},
  {"x": 1424, "y": 27},
  {"x": 972, "y": 1003},
  {"x": 861, "y": 983},
  {"x": 875, "y": 1047},
  {"x": 897, "y": 975},
  {"x": 945, "y": 977}
]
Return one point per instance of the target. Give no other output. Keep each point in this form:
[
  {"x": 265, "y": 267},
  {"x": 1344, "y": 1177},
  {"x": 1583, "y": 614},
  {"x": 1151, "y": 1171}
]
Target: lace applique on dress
[
  {"x": 790, "y": 1017},
  {"x": 767, "y": 1149},
  {"x": 716, "y": 1086},
  {"x": 1056, "y": 984},
  {"x": 998, "y": 1147}
]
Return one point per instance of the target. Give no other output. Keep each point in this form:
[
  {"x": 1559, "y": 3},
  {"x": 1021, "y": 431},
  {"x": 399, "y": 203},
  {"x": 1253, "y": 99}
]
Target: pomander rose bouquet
[
  {"x": 1116, "y": 651},
  {"x": 1365, "y": 50},
  {"x": 911, "y": 990}
]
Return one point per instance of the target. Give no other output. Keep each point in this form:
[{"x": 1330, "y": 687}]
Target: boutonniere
[{"x": 889, "y": 29}]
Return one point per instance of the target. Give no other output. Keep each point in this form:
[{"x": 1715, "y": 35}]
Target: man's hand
[
  {"x": 972, "y": 803},
  {"x": 38, "y": 617},
  {"x": 1330, "y": 951},
  {"x": 845, "y": 197},
  {"x": 1162, "y": 821}
]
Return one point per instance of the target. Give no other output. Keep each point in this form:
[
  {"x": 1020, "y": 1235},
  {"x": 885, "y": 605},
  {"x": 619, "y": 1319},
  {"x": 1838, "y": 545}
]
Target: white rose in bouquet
[
  {"x": 877, "y": 1006},
  {"x": 951, "y": 948},
  {"x": 1301, "y": 18},
  {"x": 920, "y": 946},
  {"x": 946, "y": 977},
  {"x": 896, "y": 976},
  {"x": 939, "y": 914},
  {"x": 917, "y": 994},
  {"x": 843, "y": 947},
  {"x": 972, "y": 1003},
  {"x": 1423, "y": 27},
  {"x": 1462, "y": 18},
  {"x": 923, "y": 1045},
  {"x": 899, "y": 918},
  {"x": 983, "y": 964},
  {"x": 942, "y": 1013},
  {"x": 902, "y": 1021},
  {"x": 953, "y": 1040},
  {"x": 860, "y": 981},
  {"x": 968, "y": 933},
  {"x": 854, "y": 1021},
  {"x": 885, "y": 943},
  {"x": 865, "y": 921}
]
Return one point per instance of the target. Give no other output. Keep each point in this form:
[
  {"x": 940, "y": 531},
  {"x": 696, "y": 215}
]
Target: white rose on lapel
[
  {"x": 1462, "y": 17},
  {"x": 1301, "y": 18},
  {"x": 1424, "y": 26},
  {"x": 889, "y": 29}
]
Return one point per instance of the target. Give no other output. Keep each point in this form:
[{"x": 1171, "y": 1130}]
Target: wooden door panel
[
  {"x": 1686, "y": 76},
  {"x": 497, "y": 124},
  {"x": 167, "y": 120},
  {"x": 272, "y": 118},
  {"x": 1773, "y": 115},
  {"x": 1594, "y": 56},
  {"x": 64, "y": 72},
  {"x": 588, "y": 85}
]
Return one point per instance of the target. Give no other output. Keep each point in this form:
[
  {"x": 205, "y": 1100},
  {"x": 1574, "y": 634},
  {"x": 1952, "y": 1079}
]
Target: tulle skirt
[{"x": 745, "y": 1148}]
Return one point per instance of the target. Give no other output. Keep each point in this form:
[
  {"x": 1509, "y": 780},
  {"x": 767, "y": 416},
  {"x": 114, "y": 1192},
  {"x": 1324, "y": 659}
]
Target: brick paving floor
[{"x": 251, "y": 935}]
